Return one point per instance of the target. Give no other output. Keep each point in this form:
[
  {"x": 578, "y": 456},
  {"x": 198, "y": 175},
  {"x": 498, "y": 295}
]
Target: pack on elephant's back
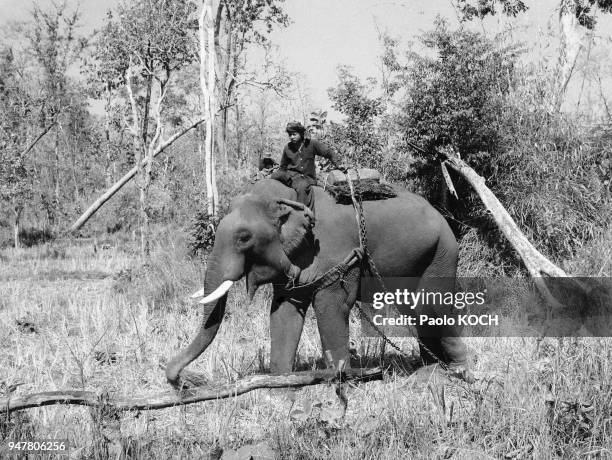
[{"x": 366, "y": 186}]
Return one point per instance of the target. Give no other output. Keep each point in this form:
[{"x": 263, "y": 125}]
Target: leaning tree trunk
[
  {"x": 125, "y": 179},
  {"x": 536, "y": 263}
]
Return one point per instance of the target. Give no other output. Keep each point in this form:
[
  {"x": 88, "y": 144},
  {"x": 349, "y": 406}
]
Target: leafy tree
[
  {"x": 139, "y": 50},
  {"x": 239, "y": 24},
  {"x": 16, "y": 107},
  {"x": 455, "y": 100},
  {"x": 480, "y": 8},
  {"x": 357, "y": 138},
  {"x": 55, "y": 47}
]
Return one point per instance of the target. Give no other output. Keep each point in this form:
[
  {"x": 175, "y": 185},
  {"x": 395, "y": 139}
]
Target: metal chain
[{"x": 363, "y": 243}]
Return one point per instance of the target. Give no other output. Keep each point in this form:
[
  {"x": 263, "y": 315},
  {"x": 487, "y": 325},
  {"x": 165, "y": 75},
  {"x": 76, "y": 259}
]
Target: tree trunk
[
  {"x": 207, "y": 83},
  {"x": 190, "y": 393},
  {"x": 571, "y": 36},
  {"x": 17, "y": 212},
  {"x": 239, "y": 132},
  {"x": 535, "y": 262},
  {"x": 145, "y": 116},
  {"x": 56, "y": 179},
  {"x": 107, "y": 127},
  {"x": 223, "y": 143},
  {"x": 144, "y": 223}
]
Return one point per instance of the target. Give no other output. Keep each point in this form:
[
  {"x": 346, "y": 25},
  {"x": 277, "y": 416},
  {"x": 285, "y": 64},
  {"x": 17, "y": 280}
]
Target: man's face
[{"x": 295, "y": 137}]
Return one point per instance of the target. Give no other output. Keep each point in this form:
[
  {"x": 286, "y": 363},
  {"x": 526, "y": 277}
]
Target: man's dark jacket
[{"x": 302, "y": 160}]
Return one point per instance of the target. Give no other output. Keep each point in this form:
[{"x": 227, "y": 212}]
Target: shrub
[
  {"x": 31, "y": 236},
  {"x": 548, "y": 171},
  {"x": 202, "y": 233}
]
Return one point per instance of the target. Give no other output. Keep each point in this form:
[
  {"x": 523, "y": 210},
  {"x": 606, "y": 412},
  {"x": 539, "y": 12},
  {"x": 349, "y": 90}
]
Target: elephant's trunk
[{"x": 216, "y": 277}]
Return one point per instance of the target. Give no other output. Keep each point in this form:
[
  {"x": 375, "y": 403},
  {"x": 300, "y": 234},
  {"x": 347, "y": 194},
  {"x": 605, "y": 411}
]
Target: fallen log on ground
[{"x": 189, "y": 396}]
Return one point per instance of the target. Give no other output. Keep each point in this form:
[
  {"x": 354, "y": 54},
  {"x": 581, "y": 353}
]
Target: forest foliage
[
  {"x": 477, "y": 97},
  {"x": 456, "y": 89}
]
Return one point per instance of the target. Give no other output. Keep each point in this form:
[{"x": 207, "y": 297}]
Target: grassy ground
[{"x": 74, "y": 318}]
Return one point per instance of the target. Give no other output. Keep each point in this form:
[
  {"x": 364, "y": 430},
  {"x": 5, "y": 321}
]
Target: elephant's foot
[
  {"x": 186, "y": 379},
  {"x": 435, "y": 371},
  {"x": 463, "y": 373},
  {"x": 448, "y": 352}
]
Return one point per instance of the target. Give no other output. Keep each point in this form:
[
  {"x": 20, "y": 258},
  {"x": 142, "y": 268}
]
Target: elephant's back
[{"x": 403, "y": 232}]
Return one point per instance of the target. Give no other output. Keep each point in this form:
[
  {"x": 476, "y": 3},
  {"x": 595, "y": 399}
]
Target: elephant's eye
[{"x": 244, "y": 237}]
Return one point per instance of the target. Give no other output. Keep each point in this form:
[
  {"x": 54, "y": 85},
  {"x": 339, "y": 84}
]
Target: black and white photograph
[{"x": 305, "y": 229}]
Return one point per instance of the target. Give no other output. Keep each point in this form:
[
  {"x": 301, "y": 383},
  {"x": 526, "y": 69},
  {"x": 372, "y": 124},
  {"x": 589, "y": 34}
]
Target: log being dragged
[{"x": 190, "y": 396}]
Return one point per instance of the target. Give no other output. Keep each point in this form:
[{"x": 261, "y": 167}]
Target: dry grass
[{"x": 82, "y": 312}]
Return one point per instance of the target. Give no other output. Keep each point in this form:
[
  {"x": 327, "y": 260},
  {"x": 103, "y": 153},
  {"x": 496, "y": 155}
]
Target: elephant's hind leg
[
  {"x": 286, "y": 323},
  {"x": 441, "y": 342}
]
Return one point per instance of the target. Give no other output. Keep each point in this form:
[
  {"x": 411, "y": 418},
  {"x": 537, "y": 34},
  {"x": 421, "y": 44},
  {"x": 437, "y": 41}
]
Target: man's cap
[
  {"x": 266, "y": 155},
  {"x": 295, "y": 127}
]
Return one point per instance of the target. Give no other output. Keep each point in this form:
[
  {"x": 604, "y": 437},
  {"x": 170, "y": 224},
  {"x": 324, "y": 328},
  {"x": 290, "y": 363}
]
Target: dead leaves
[{"x": 325, "y": 411}]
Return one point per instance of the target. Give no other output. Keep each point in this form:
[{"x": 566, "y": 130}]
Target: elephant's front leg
[
  {"x": 286, "y": 323},
  {"x": 332, "y": 307}
]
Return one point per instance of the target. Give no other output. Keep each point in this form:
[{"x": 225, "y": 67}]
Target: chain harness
[{"x": 363, "y": 245}]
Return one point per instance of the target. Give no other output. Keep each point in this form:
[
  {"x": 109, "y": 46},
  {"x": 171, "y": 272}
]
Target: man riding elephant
[{"x": 297, "y": 167}]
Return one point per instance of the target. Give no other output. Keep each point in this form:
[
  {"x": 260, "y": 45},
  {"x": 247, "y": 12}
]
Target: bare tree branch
[
  {"x": 193, "y": 395},
  {"x": 40, "y": 136}
]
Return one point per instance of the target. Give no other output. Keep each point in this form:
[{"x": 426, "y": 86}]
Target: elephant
[{"x": 267, "y": 237}]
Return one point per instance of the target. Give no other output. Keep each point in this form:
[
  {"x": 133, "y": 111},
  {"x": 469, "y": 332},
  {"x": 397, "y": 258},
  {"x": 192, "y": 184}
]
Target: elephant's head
[{"x": 255, "y": 240}]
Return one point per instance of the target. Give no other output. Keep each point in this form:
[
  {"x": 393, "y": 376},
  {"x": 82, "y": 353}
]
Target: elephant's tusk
[
  {"x": 197, "y": 294},
  {"x": 218, "y": 293}
]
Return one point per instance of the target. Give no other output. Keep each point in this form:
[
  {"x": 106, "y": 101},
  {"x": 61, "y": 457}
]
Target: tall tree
[
  {"x": 55, "y": 46},
  {"x": 358, "y": 136},
  {"x": 576, "y": 18},
  {"x": 141, "y": 51},
  {"x": 17, "y": 115},
  {"x": 15, "y": 108},
  {"x": 104, "y": 68},
  {"x": 237, "y": 24},
  {"x": 206, "y": 28}
]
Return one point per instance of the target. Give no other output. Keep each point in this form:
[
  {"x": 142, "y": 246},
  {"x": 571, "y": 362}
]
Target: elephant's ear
[{"x": 295, "y": 222}]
